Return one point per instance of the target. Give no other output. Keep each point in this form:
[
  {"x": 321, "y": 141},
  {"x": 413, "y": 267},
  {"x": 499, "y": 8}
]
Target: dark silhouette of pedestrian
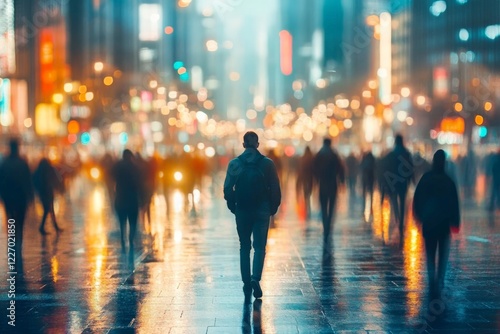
[
  {"x": 126, "y": 174},
  {"x": 352, "y": 166},
  {"x": 367, "y": 167},
  {"x": 47, "y": 182},
  {"x": 305, "y": 178},
  {"x": 147, "y": 169},
  {"x": 329, "y": 173},
  {"x": 436, "y": 208},
  {"x": 398, "y": 172},
  {"x": 469, "y": 175},
  {"x": 16, "y": 189},
  {"x": 495, "y": 183},
  {"x": 252, "y": 192}
]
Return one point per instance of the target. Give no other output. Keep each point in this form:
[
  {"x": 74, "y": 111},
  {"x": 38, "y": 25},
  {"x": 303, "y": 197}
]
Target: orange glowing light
[
  {"x": 73, "y": 127},
  {"x": 169, "y": 30},
  {"x": 456, "y": 125}
]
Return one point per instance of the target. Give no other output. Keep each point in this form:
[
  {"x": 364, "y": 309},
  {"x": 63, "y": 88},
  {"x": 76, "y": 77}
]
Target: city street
[{"x": 185, "y": 276}]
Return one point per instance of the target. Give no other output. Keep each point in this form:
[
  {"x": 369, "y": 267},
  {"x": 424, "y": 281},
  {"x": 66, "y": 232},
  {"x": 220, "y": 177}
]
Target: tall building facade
[{"x": 456, "y": 58}]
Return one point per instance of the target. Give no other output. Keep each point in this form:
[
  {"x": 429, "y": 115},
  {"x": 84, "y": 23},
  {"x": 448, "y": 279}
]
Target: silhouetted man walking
[
  {"x": 436, "y": 207},
  {"x": 47, "y": 181},
  {"x": 368, "y": 178},
  {"x": 128, "y": 189},
  {"x": 398, "y": 172},
  {"x": 329, "y": 172},
  {"x": 16, "y": 189},
  {"x": 305, "y": 179},
  {"x": 252, "y": 192}
]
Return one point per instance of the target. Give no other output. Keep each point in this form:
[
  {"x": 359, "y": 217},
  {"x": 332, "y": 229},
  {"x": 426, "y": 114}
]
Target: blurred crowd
[{"x": 360, "y": 173}]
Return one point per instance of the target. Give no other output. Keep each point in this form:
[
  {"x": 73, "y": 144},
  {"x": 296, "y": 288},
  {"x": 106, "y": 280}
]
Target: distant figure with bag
[
  {"x": 436, "y": 208},
  {"x": 47, "y": 181},
  {"x": 252, "y": 192}
]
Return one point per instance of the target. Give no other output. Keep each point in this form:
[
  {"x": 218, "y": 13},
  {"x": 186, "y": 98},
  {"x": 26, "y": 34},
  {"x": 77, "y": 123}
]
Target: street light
[{"x": 98, "y": 67}]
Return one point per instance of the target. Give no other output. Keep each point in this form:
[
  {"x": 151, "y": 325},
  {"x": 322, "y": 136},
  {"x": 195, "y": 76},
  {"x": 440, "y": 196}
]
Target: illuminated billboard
[{"x": 7, "y": 42}]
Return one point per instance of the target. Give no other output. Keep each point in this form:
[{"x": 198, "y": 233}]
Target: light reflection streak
[
  {"x": 196, "y": 196},
  {"x": 381, "y": 217},
  {"x": 178, "y": 201},
  {"x": 54, "y": 267},
  {"x": 157, "y": 226},
  {"x": 96, "y": 240},
  {"x": 412, "y": 251}
]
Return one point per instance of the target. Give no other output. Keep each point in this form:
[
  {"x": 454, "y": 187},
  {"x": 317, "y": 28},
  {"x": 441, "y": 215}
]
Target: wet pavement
[{"x": 185, "y": 276}]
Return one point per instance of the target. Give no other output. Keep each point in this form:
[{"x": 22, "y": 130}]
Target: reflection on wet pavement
[{"x": 185, "y": 277}]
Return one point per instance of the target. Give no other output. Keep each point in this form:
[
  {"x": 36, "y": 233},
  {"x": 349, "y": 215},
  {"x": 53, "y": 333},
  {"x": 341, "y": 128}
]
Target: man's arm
[
  {"x": 229, "y": 194},
  {"x": 274, "y": 188}
]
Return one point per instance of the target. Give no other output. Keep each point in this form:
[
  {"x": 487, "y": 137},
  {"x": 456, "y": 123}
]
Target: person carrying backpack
[{"x": 252, "y": 192}]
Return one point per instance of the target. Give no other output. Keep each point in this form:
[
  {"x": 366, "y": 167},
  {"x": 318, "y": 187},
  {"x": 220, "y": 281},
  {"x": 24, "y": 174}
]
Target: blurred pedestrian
[
  {"x": 305, "y": 178},
  {"x": 16, "y": 189},
  {"x": 397, "y": 173},
  {"x": 469, "y": 175},
  {"x": 147, "y": 179},
  {"x": 367, "y": 167},
  {"x": 436, "y": 208},
  {"x": 329, "y": 173},
  {"x": 352, "y": 166},
  {"x": 47, "y": 181},
  {"x": 252, "y": 192},
  {"x": 495, "y": 183},
  {"x": 278, "y": 163},
  {"x": 126, "y": 174}
]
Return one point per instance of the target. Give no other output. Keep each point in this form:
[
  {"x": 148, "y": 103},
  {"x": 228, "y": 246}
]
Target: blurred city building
[
  {"x": 154, "y": 74},
  {"x": 456, "y": 64}
]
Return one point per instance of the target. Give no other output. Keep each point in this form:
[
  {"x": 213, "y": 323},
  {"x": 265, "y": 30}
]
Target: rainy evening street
[{"x": 185, "y": 279}]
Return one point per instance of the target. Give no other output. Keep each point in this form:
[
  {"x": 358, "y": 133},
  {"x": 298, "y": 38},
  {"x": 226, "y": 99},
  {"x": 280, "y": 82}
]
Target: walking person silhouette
[
  {"x": 252, "y": 192},
  {"x": 436, "y": 208},
  {"x": 46, "y": 181},
  {"x": 305, "y": 179},
  {"x": 16, "y": 189},
  {"x": 397, "y": 173},
  {"x": 367, "y": 167},
  {"x": 329, "y": 172},
  {"x": 126, "y": 174}
]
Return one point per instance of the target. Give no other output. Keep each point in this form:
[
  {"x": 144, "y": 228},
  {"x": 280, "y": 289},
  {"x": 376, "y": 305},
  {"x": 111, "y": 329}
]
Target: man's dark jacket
[
  {"x": 436, "y": 204},
  {"x": 267, "y": 167},
  {"x": 328, "y": 169}
]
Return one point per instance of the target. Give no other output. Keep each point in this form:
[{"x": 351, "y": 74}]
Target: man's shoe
[{"x": 257, "y": 291}]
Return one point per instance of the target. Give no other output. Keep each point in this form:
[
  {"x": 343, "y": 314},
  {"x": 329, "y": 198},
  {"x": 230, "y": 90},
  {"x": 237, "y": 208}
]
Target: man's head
[
  {"x": 398, "y": 141},
  {"x": 250, "y": 140},
  {"x": 327, "y": 142},
  {"x": 128, "y": 155},
  {"x": 14, "y": 147},
  {"x": 438, "y": 161}
]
